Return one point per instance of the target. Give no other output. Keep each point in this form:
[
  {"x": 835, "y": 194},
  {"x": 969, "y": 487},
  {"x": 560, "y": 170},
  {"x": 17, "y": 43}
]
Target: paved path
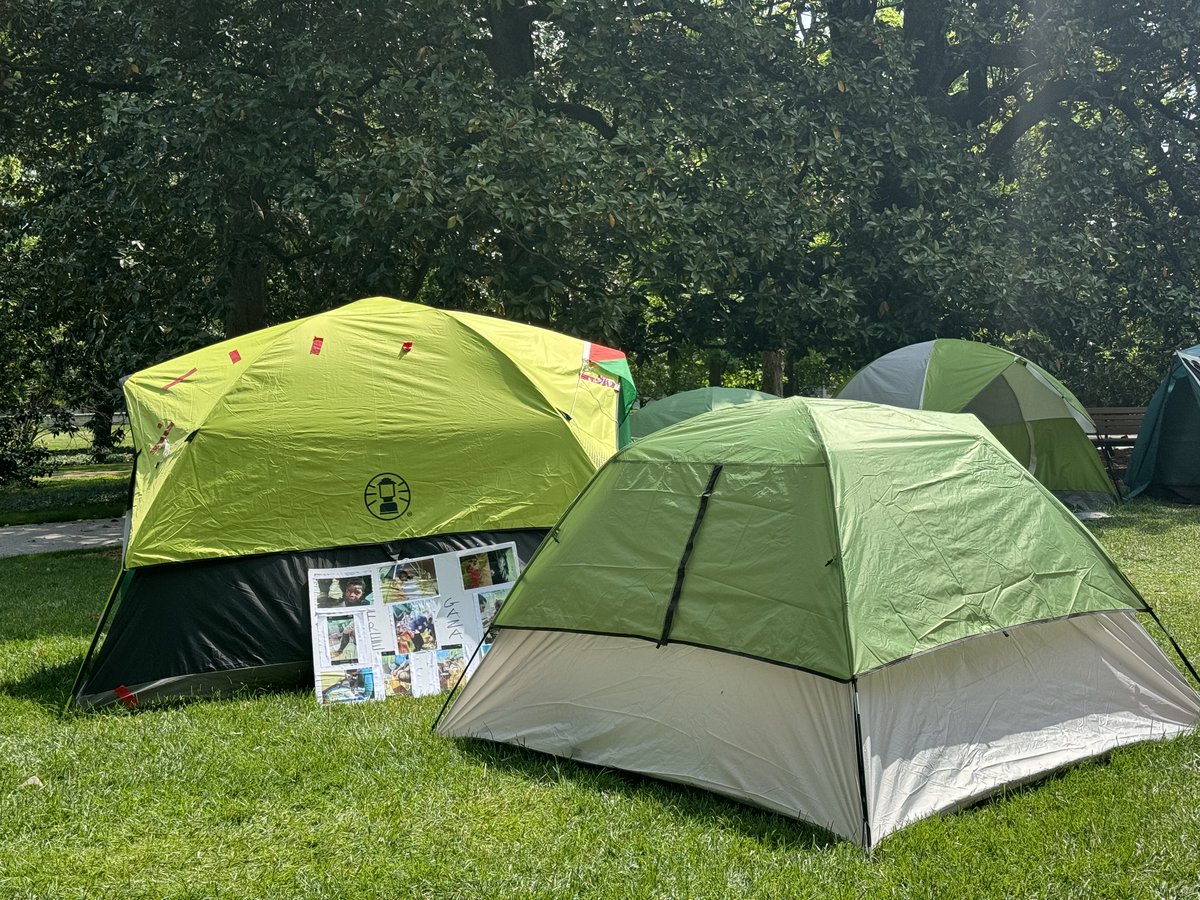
[{"x": 17, "y": 540}]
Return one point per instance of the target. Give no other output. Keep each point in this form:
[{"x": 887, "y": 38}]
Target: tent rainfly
[
  {"x": 1166, "y": 457},
  {"x": 267, "y": 455},
  {"x": 1029, "y": 411},
  {"x": 851, "y": 614},
  {"x": 677, "y": 407}
]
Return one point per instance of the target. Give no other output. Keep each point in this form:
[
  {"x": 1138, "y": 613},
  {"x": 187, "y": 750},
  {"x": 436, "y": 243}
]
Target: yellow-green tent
[{"x": 334, "y": 440}]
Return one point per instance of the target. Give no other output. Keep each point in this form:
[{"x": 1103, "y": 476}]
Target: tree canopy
[{"x": 673, "y": 176}]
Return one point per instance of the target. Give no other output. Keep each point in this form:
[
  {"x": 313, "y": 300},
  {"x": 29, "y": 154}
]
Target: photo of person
[
  {"x": 352, "y": 591},
  {"x": 489, "y": 604},
  {"x": 414, "y": 624},
  {"x": 476, "y": 571},
  {"x": 347, "y": 686},
  {"x": 342, "y": 643},
  {"x": 397, "y": 674},
  {"x": 450, "y": 663},
  {"x": 503, "y": 566},
  {"x": 414, "y": 579}
]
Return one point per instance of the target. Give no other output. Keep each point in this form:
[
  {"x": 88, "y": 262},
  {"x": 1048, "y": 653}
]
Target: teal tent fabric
[
  {"x": 686, "y": 404},
  {"x": 1166, "y": 458}
]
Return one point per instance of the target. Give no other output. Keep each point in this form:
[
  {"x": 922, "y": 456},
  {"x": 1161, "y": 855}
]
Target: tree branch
[
  {"x": 1029, "y": 115},
  {"x": 1153, "y": 143},
  {"x": 1178, "y": 118},
  {"x": 137, "y": 84},
  {"x": 585, "y": 114}
]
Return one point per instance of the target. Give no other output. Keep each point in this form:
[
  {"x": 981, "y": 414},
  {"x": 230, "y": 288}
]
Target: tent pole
[
  {"x": 862, "y": 769},
  {"x": 85, "y": 667},
  {"x": 1170, "y": 637},
  {"x": 450, "y": 693}
]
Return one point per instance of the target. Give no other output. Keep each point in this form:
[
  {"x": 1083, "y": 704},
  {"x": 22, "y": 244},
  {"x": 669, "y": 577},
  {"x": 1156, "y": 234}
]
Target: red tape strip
[
  {"x": 169, "y": 385},
  {"x": 126, "y": 696}
]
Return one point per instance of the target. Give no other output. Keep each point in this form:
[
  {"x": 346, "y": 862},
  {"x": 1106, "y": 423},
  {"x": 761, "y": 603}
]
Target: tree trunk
[
  {"x": 247, "y": 309},
  {"x": 925, "y": 24},
  {"x": 772, "y": 371},
  {"x": 847, "y": 36},
  {"x": 510, "y": 49},
  {"x": 247, "y": 301},
  {"x": 101, "y": 426},
  {"x": 716, "y": 368}
]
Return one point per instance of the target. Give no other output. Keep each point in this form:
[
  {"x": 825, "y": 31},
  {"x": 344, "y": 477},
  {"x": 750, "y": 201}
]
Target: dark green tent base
[
  {"x": 200, "y": 629},
  {"x": 1175, "y": 493},
  {"x": 1082, "y": 502}
]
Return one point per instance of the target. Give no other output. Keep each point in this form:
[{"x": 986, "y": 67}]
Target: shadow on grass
[
  {"x": 1149, "y": 516},
  {"x": 769, "y": 829},
  {"x": 46, "y": 686}
]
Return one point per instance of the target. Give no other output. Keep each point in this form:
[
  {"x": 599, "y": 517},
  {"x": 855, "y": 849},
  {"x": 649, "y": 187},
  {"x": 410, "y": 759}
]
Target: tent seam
[{"x": 505, "y": 357}]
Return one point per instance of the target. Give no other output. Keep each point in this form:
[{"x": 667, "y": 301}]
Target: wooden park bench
[{"x": 1116, "y": 429}]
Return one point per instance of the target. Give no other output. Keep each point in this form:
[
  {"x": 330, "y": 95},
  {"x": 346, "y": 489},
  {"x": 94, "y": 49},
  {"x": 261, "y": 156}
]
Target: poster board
[{"x": 405, "y": 628}]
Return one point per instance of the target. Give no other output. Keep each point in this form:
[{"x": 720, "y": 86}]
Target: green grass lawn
[
  {"x": 272, "y": 796},
  {"x": 64, "y": 499},
  {"x": 79, "y": 488},
  {"x": 80, "y": 441}
]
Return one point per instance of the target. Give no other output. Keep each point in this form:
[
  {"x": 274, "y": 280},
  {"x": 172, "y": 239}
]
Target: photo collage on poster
[{"x": 408, "y": 628}]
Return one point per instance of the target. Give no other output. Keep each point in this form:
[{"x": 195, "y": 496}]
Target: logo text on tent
[
  {"x": 387, "y": 496},
  {"x": 610, "y": 383}
]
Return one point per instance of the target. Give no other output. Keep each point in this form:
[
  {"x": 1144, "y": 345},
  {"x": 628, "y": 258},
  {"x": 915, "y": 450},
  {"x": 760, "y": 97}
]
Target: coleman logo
[{"x": 387, "y": 496}]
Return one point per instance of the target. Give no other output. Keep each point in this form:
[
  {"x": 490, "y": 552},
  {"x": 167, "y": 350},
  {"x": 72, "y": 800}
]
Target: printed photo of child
[
  {"x": 352, "y": 591},
  {"x": 414, "y": 579},
  {"x": 347, "y": 686},
  {"x": 397, "y": 675},
  {"x": 489, "y": 604},
  {"x": 414, "y": 623},
  {"x": 450, "y": 663},
  {"x": 502, "y": 565},
  {"x": 343, "y": 646},
  {"x": 476, "y": 572}
]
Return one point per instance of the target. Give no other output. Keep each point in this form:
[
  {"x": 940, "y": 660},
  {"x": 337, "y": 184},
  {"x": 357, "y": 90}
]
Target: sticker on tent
[
  {"x": 162, "y": 443},
  {"x": 407, "y": 628}
]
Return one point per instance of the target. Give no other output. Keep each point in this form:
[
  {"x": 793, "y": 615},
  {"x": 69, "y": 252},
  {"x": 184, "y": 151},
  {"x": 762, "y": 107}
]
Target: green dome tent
[
  {"x": 1166, "y": 457},
  {"x": 852, "y": 614},
  {"x": 1029, "y": 410},
  {"x": 677, "y": 407},
  {"x": 270, "y": 454}
]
